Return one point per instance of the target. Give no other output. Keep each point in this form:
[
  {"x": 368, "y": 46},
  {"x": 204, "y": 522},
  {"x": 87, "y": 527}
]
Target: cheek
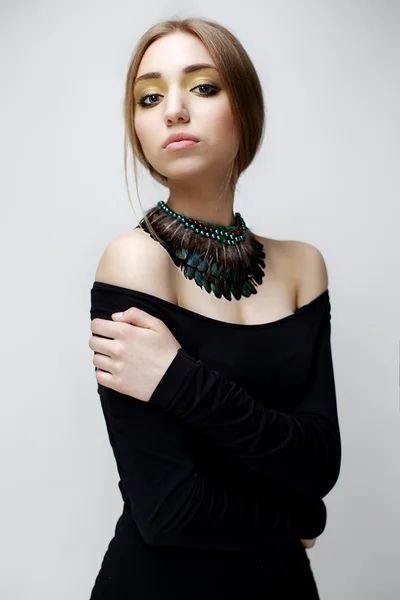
[
  {"x": 144, "y": 132},
  {"x": 222, "y": 118},
  {"x": 140, "y": 128},
  {"x": 224, "y": 127},
  {"x": 226, "y": 120}
]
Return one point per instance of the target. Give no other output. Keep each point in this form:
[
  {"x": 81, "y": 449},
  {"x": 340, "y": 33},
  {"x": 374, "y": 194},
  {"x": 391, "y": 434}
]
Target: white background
[{"x": 326, "y": 174}]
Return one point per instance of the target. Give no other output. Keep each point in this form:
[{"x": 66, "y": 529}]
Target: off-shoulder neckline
[{"x": 324, "y": 296}]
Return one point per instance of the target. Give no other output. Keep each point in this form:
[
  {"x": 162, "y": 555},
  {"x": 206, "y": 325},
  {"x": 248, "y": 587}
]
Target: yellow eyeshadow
[
  {"x": 153, "y": 87},
  {"x": 203, "y": 80},
  {"x": 140, "y": 90}
]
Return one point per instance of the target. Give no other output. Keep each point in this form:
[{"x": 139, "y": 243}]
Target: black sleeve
[
  {"x": 308, "y": 518},
  {"x": 172, "y": 502},
  {"x": 298, "y": 452}
]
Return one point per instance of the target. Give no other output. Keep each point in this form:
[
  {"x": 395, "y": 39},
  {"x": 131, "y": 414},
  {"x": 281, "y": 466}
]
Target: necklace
[{"x": 223, "y": 260}]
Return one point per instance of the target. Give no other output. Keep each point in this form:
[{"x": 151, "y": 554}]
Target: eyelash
[{"x": 215, "y": 91}]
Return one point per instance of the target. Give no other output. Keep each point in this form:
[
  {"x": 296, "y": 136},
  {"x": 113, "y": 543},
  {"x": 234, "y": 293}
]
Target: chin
[{"x": 182, "y": 170}]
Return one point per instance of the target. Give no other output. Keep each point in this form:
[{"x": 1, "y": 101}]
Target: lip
[
  {"x": 180, "y": 137},
  {"x": 174, "y": 146}
]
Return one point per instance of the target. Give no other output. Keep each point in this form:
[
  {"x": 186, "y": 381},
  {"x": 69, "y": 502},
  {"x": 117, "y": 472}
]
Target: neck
[{"x": 199, "y": 201}]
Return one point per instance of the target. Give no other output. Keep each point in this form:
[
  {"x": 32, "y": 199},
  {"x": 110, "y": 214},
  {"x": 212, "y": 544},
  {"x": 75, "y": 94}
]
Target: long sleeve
[
  {"x": 309, "y": 518},
  {"x": 298, "y": 452},
  {"x": 172, "y": 502}
]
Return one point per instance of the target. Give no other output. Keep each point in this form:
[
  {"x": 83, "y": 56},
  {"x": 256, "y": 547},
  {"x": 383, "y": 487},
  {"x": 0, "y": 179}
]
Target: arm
[
  {"x": 159, "y": 477},
  {"x": 172, "y": 502},
  {"x": 309, "y": 518},
  {"x": 298, "y": 452}
]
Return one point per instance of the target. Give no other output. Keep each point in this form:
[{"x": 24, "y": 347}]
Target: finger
[
  {"x": 104, "y": 378},
  {"x": 139, "y": 318},
  {"x": 103, "y": 345},
  {"x": 104, "y": 363},
  {"x": 107, "y": 329}
]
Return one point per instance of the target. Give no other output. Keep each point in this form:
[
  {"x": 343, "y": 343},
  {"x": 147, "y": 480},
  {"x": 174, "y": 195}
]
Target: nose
[{"x": 175, "y": 108}]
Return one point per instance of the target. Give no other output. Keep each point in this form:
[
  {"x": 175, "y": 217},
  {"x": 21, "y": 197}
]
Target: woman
[{"x": 216, "y": 381}]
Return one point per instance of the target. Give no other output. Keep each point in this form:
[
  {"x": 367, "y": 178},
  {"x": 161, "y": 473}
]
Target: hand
[
  {"x": 134, "y": 361},
  {"x": 308, "y": 543}
]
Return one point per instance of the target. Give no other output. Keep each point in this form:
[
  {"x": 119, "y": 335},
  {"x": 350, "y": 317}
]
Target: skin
[
  {"x": 194, "y": 174},
  {"x": 140, "y": 348}
]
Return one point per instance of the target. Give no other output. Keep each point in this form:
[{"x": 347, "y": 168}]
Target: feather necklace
[{"x": 227, "y": 261}]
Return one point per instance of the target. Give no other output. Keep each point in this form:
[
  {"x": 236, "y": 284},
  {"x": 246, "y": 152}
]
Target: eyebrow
[{"x": 188, "y": 69}]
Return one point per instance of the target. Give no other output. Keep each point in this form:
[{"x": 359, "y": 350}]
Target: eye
[
  {"x": 143, "y": 98},
  {"x": 214, "y": 90}
]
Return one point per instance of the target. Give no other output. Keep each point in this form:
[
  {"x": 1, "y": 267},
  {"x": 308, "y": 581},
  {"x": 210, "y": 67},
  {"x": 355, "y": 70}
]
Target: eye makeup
[
  {"x": 185, "y": 70},
  {"x": 152, "y": 87},
  {"x": 214, "y": 90}
]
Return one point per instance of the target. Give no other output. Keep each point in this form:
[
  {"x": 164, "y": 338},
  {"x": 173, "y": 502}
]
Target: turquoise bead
[{"x": 223, "y": 235}]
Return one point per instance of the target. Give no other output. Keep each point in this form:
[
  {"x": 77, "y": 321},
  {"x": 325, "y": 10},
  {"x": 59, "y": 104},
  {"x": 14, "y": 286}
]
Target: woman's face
[{"x": 178, "y": 102}]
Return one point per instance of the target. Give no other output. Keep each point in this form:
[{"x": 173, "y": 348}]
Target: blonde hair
[{"x": 241, "y": 82}]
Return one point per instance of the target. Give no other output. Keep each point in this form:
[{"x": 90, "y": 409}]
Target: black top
[{"x": 224, "y": 469}]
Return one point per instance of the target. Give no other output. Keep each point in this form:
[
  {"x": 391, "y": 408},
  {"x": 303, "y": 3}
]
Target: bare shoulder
[
  {"x": 135, "y": 261},
  {"x": 301, "y": 263},
  {"x": 311, "y": 272}
]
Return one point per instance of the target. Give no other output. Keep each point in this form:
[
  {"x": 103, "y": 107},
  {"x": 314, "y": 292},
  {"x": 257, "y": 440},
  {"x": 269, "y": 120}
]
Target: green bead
[{"x": 224, "y": 234}]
